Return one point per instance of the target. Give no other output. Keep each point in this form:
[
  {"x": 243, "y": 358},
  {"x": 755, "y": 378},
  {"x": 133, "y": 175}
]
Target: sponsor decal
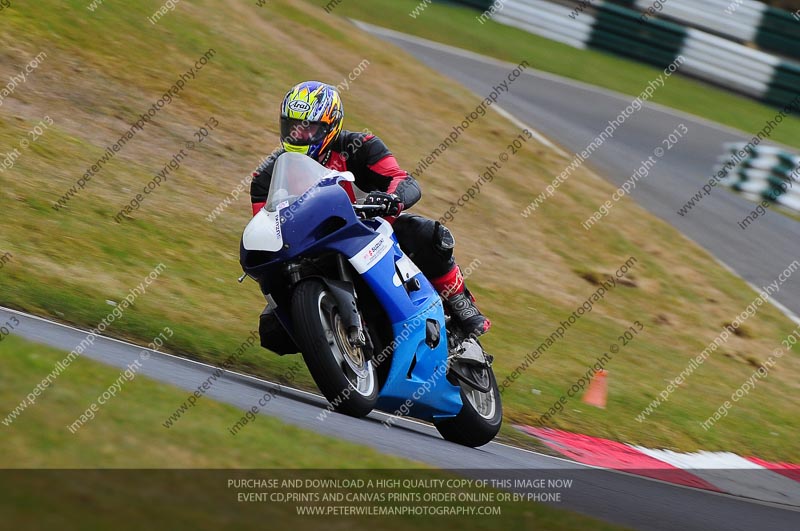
[
  {"x": 299, "y": 106},
  {"x": 374, "y": 251},
  {"x": 367, "y": 257}
]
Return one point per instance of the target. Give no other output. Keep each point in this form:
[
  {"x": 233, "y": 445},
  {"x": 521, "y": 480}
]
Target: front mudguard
[
  {"x": 277, "y": 338},
  {"x": 345, "y": 294},
  {"x": 273, "y": 335}
]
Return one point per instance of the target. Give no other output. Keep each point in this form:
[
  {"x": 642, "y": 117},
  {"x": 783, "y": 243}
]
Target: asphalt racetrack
[{"x": 613, "y": 496}]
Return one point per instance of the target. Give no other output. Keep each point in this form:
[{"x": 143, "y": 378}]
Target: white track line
[
  {"x": 725, "y": 470},
  {"x": 464, "y": 53},
  {"x": 536, "y": 134},
  {"x": 591, "y": 88},
  {"x": 551, "y": 77},
  {"x": 188, "y": 361}
]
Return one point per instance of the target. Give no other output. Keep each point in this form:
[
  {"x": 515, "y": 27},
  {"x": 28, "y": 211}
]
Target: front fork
[{"x": 343, "y": 290}]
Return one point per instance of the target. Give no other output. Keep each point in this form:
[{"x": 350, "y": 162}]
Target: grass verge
[{"x": 127, "y": 435}]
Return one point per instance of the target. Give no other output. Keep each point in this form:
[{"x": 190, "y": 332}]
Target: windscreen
[{"x": 293, "y": 175}]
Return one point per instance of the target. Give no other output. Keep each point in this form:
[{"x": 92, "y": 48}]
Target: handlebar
[{"x": 365, "y": 208}]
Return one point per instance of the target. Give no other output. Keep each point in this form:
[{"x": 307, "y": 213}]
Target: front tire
[
  {"x": 341, "y": 371},
  {"x": 480, "y": 417}
]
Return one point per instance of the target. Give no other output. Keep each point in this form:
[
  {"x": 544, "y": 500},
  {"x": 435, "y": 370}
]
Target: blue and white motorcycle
[{"x": 371, "y": 328}]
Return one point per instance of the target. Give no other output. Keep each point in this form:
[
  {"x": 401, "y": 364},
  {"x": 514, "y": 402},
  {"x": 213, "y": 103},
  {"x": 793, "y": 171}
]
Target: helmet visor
[{"x": 302, "y": 132}]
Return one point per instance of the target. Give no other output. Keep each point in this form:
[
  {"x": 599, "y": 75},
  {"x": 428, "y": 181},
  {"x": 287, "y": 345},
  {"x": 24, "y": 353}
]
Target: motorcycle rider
[{"x": 311, "y": 123}]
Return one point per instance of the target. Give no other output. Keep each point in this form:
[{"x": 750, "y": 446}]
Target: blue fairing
[
  {"x": 323, "y": 221},
  {"x": 417, "y": 378}
]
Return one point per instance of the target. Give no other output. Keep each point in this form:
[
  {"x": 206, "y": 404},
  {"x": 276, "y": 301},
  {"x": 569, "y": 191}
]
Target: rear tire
[
  {"x": 480, "y": 418},
  {"x": 342, "y": 373}
]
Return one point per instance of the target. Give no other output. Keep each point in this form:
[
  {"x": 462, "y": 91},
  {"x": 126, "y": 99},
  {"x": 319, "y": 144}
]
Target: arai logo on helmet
[{"x": 299, "y": 106}]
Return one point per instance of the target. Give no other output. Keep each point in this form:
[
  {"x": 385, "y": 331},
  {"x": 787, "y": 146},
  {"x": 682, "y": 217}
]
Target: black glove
[{"x": 391, "y": 203}]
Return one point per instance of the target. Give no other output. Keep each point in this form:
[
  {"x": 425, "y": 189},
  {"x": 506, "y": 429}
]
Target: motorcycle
[{"x": 371, "y": 328}]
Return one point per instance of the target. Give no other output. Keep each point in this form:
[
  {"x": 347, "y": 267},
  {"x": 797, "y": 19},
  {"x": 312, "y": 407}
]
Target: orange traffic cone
[{"x": 598, "y": 390}]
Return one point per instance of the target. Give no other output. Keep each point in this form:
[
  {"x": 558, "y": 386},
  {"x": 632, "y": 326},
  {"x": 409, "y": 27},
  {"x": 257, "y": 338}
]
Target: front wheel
[
  {"x": 341, "y": 370},
  {"x": 480, "y": 417}
]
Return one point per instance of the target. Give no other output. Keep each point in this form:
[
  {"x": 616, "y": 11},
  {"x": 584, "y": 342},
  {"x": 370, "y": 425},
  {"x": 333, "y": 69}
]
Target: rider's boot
[{"x": 461, "y": 303}]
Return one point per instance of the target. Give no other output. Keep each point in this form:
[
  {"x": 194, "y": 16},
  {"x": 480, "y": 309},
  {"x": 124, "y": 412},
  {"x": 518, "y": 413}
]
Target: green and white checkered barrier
[
  {"x": 737, "y": 20},
  {"x": 763, "y": 172},
  {"x": 624, "y": 30},
  {"x": 744, "y": 21}
]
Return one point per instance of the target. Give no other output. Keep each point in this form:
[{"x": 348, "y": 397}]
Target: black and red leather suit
[{"x": 427, "y": 242}]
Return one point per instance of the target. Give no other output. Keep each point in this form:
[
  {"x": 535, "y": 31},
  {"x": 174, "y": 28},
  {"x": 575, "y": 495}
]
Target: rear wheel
[
  {"x": 480, "y": 417},
  {"x": 341, "y": 370}
]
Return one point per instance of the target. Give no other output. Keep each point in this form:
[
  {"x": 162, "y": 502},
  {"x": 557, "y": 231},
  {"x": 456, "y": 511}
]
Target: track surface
[
  {"x": 573, "y": 114},
  {"x": 620, "y": 498}
]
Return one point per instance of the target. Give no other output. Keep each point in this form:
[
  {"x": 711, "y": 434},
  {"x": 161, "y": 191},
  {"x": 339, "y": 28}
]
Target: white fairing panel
[
  {"x": 385, "y": 228},
  {"x": 407, "y": 268},
  {"x": 263, "y": 233},
  {"x": 404, "y": 265},
  {"x": 371, "y": 254}
]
